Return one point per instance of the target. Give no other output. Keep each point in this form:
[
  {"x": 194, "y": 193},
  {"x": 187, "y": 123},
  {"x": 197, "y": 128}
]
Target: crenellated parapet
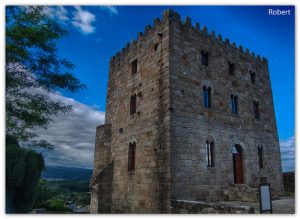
[
  {"x": 213, "y": 36},
  {"x": 172, "y": 16},
  {"x": 141, "y": 36}
]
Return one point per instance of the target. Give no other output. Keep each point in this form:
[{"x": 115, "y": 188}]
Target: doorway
[{"x": 237, "y": 155}]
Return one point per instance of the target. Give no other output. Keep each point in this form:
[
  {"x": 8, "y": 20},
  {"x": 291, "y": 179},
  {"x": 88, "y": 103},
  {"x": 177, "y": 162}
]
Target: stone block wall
[
  {"x": 242, "y": 193},
  {"x": 192, "y": 124},
  {"x": 100, "y": 184},
  {"x": 146, "y": 188},
  {"x": 198, "y": 207},
  {"x": 102, "y": 190}
]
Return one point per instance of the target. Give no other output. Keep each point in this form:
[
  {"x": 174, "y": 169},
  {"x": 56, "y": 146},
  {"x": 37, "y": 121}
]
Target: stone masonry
[{"x": 171, "y": 125}]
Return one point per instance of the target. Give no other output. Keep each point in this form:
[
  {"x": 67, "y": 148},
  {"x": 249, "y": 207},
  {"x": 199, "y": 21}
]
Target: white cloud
[
  {"x": 72, "y": 134},
  {"x": 287, "y": 148},
  {"x": 111, "y": 9},
  {"x": 57, "y": 12},
  {"x": 83, "y": 20}
]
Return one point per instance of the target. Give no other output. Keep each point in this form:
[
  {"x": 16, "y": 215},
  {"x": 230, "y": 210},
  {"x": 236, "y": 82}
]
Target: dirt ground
[{"x": 283, "y": 205}]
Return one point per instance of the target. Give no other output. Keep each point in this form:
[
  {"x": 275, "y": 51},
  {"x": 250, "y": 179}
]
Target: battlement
[
  {"x": 120, "y": 55},
  {"x": 171, "y": 15}
]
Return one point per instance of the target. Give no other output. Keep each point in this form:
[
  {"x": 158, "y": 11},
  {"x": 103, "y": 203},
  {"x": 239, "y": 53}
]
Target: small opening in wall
[
  {"x": 234, "y": 104},
  {"x": 131, "y": 156},
  {"x": 204, "y": 58},
  {"x": 252, "y": 75},
  {"x": 133, "y": 104},
  {"x": 207, "y": 97},
  {"x": 156, "y": 46},
  {"x": 134, "y": 67},
  {"x": 256, "y": 109},
  {"x": 231, "y": 68},
  {"x": 260, "y": 156},
  {"x": 210, "y": 153}
]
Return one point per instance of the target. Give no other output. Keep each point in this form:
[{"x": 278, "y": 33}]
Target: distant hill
[{"x": 66, "y": 173}]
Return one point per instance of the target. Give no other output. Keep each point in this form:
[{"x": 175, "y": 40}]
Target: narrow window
[
  {"x": 207, "y": 97},
  {"x": 133, "y": 104},
  {"x": 204, "y": 58},
  {"x": 234, "y": 104},
  {"x": 131, "y": 156},
  {"x": 256, "y": 109},
  {"x": 134, "y": 67},
  {"x": 260, "y": 157},
  {"x": 210, "y": 154},
  {"x": 252, "y": 75},
  {"x": 231, "y": 68}
]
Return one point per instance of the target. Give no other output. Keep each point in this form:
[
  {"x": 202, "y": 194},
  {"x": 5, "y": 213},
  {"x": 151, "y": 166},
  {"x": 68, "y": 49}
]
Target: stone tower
[{"x": 189, "y": 116}]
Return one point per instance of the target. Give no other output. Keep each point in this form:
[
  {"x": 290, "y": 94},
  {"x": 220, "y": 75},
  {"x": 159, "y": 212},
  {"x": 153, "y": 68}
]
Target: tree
[
  {"x": 34, "y": 72},
  {"x": 23, "y": 170}
]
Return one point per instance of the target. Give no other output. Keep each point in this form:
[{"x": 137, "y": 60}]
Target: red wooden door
[{"x": 238, "y": 168}]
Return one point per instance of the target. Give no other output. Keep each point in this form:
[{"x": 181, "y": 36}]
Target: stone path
[{"x": 283, "y": 205}]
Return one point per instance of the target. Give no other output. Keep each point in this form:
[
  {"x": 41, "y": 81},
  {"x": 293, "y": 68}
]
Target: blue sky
[{"x": 96, "y": 33}]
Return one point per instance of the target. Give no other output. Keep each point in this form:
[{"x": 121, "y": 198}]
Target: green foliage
[
  {"x": 23, "y": 170},
  {"x": 43, "y": 194},
  {"x": 71, "y": 186},
  {"x": 15, "y": 162},
  {"x": 34, "y": 72},
  {"x": 57, "y": 205},
  {"x": 49, "y": 191},
  {"x": 34, "y": 166}
]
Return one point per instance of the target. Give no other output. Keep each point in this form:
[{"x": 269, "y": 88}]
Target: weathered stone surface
[
  {"x": 171, "y": 125},
  {"x": 100, "y": 184},
  {"x": 198, "y": 207}
]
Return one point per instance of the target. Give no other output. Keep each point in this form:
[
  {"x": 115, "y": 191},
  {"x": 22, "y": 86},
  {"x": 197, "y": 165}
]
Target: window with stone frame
[
  {"x": 256, "y": 109},
  {"x": 210, "y": 153},
  {"x": 252, "y": 75},
  {"x": 204, "y": 58},
  {"x": 260, "y": 157},
  {"x": 131, "y": 156},
  {"x": 234, "y": 104},
  {"x": 133, "y": 104},
  {"x": 231, "y": 68},
  {"x": 134, "y": 66},
  {"x": 207, "y": 97}
]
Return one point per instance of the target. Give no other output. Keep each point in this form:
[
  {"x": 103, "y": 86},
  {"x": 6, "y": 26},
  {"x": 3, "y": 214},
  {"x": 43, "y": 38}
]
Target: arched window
[
  {"x": 207, "y": 97},
  {"x": 256, "y": 109},
  {"x": 133, "y": 104},
  {"x": 234, "y": 104},
  {"x": 260, "y": 156},
  {"x": 231, "y": 68},
  {"x": 131, "y": 156},
  {"x": 210, "y": 153},
  {"x": 204, "y": 58},
  {"x": 252, "y": 75}
]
